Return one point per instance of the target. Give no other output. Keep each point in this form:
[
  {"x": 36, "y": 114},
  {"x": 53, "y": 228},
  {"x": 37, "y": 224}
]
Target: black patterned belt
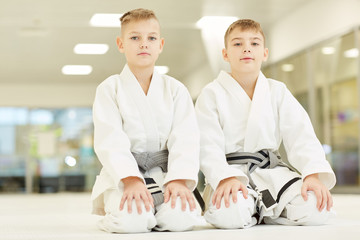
[{"x": 264, "y": 159}]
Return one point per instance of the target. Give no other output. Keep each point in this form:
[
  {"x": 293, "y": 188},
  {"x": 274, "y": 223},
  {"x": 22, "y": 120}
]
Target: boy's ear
[
  {"x": 225, "y": 55},
  {"x": 120, "y": 44},
  {"x": 266, "y": 54},
  {"x": 162, "y": 42}
]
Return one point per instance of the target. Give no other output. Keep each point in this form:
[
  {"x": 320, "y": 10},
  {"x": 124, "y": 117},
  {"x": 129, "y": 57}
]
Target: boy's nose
[
  {"x": 246, "y": 50},
  {"x": 143, "y": 45}
]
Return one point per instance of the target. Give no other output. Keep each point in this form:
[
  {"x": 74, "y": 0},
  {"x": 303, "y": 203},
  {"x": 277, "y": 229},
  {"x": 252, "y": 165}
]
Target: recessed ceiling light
[
  {"x": 328, "y": 50},
  {"x": 351, "y": 53},
  {"x": 105, "y": 20},
  {"x": 162, "y": 69},
  {"x": 76, "y": 69},
  {"x": 287, "y": 67},
  {"x": 88, "y": 48},
  {"x": 214, "y": 21}
]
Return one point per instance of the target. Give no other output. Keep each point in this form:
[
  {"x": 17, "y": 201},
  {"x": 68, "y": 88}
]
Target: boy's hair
[
  {"x": 244, "y": 24},
  {"x": 136, "y": 15}
]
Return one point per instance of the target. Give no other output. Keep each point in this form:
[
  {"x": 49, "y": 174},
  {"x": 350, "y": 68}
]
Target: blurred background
[{"x": 54, "y": 53}]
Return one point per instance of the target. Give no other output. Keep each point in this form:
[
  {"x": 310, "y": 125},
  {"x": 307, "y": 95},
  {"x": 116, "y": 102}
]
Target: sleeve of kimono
[
  {"x": 212, "y": 151},
  {"x": 111, "y": 144},
  {"x": 303, "y": 148},
  {"x": 184, "y": 141}
]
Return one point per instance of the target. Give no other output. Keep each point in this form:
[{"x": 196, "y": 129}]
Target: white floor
[{"x": 67, "y": 216}]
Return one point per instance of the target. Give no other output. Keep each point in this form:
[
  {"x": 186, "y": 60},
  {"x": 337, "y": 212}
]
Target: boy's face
[
  {"x": 245, "y": 51},
  {"x": 141, "y": 43}
]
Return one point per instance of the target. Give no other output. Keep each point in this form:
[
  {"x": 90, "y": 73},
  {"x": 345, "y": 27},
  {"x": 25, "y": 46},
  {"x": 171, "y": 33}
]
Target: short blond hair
[
  {"x": 243, "y": 25},
  {"x": 136, "y": 15}
]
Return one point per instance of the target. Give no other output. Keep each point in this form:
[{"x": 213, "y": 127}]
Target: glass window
[
  {"x": 56, "y": 143},
  {"x": 335, "y": 78},
  {"x": 293, "y": 72}
]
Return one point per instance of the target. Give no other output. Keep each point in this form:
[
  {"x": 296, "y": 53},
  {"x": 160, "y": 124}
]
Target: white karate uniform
[
  {"x": 230, "y": 122},
  {"x": 126, "y": 120}
]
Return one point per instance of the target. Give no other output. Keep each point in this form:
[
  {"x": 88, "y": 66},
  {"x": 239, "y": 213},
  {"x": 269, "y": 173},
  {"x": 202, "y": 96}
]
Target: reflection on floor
[{"x": 67, "y": 216}]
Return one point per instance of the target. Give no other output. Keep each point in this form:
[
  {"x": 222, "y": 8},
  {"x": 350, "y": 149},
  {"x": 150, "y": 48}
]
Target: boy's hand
[
  {"x": 323, "y": 196},
  {"x": 225, "y": 187},
  {"x": 177, "y": 188},
  {"x": 134, "y": 188}
]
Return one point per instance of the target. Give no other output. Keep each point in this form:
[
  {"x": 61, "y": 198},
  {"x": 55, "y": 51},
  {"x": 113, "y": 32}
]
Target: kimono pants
[
  {"x": 241, "y": 214},
  {"x": 264, "y": 169},
  {"x": 162, "y": 218}
]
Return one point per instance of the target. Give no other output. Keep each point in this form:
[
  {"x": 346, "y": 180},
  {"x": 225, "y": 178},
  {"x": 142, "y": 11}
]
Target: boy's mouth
[
  {"x": 246, "y": 59},
  {"x": 144, "y": 54}
]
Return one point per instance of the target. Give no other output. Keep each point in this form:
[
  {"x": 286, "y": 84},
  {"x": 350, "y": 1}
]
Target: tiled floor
[{"x": 67, "y": 216}]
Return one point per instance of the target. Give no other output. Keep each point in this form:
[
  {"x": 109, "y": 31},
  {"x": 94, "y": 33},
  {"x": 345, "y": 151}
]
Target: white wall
[
  {"x": 47, "y": 95},
  {"x": 312, "y": 23},
  {"x": 196, "y": 80}
]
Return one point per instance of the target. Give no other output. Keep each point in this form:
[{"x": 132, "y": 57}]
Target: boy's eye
[
  {"x": 237, "y": 44},
  {"x": 134, "y": 38},
  {"x": 255, "y": 44},
  {"x": 152, "y": 38}
]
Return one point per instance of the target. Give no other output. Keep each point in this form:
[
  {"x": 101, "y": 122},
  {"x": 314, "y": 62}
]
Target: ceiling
[{"x": 37, "y": 37}]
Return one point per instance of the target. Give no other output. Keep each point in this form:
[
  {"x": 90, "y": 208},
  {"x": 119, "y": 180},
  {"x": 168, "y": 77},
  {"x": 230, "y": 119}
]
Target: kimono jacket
[
  {"x": 231, "y": 122},
  {"x": 127, "y": 121}
]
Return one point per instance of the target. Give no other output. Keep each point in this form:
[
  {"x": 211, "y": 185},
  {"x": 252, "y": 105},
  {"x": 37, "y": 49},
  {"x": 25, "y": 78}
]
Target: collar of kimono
[
  {"x": 144, "y": 104},
  {"x": 130, "y": 80},
  {"x": 233, "y": 87},
  {"x": 261, "y": 125}
]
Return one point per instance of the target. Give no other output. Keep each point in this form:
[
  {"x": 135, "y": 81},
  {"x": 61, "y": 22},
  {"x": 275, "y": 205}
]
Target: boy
[
  {"x": 146, "y": 137},
  {"x": 243, "y": 117}
]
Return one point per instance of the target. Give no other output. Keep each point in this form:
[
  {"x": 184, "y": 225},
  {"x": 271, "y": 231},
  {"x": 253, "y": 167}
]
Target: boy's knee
[
  {"x": 303, "y": 212},
  {"x": 117, "y": 221},
  {"x": 131, "y": 224},
  {"x": 175, "y": 219},
  {"x": 237, "y": 215}
]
